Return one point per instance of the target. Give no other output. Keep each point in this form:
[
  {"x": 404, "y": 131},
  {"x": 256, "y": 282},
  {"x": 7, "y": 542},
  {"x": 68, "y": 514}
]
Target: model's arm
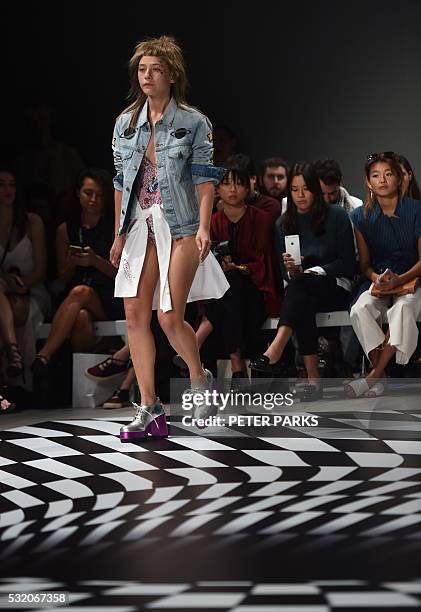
[
  {"x": 205, "y": 192},
  {"x": 118, "y": 244}
]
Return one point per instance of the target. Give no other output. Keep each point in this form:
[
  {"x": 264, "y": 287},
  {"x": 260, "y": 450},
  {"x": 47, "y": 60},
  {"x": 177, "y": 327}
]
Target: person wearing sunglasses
[{"x": 388, "y": 234}]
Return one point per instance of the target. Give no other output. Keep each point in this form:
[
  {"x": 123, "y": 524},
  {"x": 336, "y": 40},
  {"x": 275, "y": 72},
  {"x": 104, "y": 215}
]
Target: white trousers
[{"x": 401, "y": 313}]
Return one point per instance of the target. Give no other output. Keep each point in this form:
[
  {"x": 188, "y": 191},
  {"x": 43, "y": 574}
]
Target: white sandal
[
  {"x": 376, "y": 390},
  {"x": 356, "y": 388}
]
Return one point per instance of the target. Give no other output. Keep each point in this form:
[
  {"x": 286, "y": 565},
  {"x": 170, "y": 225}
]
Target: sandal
[
  {"x": 356, "y": 388},
  {"x": 376, "y": 390},
  {"x": 15, "y": 365},
  {"x": 5, "y": 405}
]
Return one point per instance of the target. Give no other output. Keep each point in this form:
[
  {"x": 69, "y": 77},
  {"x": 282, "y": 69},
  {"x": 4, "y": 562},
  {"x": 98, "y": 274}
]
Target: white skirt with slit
[{"x": 209, "y": 282}]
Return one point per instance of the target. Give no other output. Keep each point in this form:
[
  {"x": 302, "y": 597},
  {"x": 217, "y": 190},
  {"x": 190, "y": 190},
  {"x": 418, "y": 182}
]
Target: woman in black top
[
  {"x": 83, "y": 243},
  {"x": 322, "y": 282}
]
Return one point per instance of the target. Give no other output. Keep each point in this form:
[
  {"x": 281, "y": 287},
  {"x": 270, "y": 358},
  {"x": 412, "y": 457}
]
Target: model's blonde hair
[{"x": 169, "y": 51}]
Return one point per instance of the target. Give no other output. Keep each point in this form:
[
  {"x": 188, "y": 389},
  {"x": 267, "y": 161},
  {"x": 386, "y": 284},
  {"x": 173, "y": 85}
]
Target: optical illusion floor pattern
[{"x": 319, "y": 505}]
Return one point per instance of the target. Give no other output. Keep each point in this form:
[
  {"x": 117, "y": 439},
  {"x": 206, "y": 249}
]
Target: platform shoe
[{"x": 148, "y": 420}]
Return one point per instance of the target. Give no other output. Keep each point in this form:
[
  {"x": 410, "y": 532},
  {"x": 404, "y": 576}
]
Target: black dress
[{"x": 99, "y": 239}]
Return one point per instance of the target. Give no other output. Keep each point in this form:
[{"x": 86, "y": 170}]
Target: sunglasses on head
[{"x": 383, "y": 153}]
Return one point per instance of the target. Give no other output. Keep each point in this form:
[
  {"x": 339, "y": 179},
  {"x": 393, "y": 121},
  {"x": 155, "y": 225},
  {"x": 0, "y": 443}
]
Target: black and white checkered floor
[{"x": 287, "y": 519}]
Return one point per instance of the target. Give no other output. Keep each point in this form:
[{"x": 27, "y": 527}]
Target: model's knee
[
  {"x": 170, "y": 324},
  {"x": 137, "y": 320}
]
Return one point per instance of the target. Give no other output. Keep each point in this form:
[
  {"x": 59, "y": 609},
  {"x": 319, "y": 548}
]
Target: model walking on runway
[{"x": 164, "y": 188}]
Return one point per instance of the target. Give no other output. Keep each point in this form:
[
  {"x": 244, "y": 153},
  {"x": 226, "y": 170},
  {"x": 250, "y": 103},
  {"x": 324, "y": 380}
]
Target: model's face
[
  {"x": 330, "y": 192},
  {"x": 232, "y": 192},
  {"x": 91, "y": 196},
  {"x": 275, "y": 180},
  {"x": 382, "y": 180},
  {"x": 7, "y": 188},
  {"x": 154, "y": 77},
  {"x": 406, "y": 179},
  {"x": 301, "y": 195}
]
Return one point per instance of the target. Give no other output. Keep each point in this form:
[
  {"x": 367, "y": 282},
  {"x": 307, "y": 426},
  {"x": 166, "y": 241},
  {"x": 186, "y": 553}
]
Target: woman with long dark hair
[
  {"x": 83, "y": 242},
  {"x": 388, "y": 234},
  {"x": 323, "y": 280}
]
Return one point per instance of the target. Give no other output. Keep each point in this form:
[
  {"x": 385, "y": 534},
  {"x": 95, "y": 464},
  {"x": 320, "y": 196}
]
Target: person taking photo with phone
[
  {"x": 323, "y": 280},
  {"x": 83, "y": 242}
]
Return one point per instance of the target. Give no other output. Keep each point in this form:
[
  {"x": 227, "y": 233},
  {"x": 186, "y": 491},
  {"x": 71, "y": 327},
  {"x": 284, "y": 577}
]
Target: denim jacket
[{"x": 184, "y": 150}]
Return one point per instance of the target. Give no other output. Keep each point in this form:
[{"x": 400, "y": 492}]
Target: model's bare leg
[
  {"x": 138, "y": 316},
  {"x": 183, "y": 265}
]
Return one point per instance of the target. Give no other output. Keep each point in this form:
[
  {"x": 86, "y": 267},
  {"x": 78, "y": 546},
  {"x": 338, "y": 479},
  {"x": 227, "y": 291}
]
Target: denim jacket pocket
[{"x": 178, "y": 161}]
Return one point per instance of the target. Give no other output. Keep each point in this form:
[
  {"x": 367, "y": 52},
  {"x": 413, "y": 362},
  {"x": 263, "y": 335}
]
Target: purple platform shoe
[{"x": 148, "y": 420}]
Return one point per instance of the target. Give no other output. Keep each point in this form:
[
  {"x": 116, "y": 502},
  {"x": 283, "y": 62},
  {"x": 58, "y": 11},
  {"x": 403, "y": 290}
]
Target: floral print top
[{"x": 147, "y": 191}]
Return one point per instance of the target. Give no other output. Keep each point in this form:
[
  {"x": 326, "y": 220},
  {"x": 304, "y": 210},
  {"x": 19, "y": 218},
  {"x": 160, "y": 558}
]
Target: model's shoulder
[
  {"x": 193, "y": 113},
  {"x": 123, "y": 118}
]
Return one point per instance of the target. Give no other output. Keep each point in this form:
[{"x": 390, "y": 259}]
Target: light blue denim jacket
[{"x": 184, "y": 150}]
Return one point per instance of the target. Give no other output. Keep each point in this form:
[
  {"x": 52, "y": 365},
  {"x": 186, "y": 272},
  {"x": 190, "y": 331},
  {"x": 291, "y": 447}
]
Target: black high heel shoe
[
  {"x": 262, "y": 364},
  {"x": 15, "y": 362}
]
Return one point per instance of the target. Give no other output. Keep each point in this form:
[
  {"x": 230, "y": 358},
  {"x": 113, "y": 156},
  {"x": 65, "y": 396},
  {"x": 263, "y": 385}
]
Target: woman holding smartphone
[
  {"x": 82, "y": 243},
  {"x": 388, "y": 234},
  {"x": 323, "y": 280},
  {"x": 164, "y": 190}
]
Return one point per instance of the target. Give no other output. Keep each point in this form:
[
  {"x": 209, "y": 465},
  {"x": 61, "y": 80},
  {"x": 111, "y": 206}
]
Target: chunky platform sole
[{"x": 158, "y": 428}]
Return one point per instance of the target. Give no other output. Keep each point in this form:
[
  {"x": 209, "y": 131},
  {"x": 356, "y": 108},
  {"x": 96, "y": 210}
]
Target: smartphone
[
  {"x": 74, "y": 249},
  {"x": 292, "y": 247}
]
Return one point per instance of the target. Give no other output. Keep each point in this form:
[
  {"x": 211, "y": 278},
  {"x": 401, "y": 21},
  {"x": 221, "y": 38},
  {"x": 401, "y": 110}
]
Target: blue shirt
[{"x": 392, "y": 241}]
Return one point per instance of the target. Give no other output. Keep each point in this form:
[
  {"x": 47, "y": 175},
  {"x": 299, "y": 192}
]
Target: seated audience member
[
  {"x": 112, "y": 368},
  {"x": 239, "y": 314},
  {"x": 330, "y": 177},
  {"x": 409, "y": 185},
  {"x": 273, "y": 178},
  {"x": 388, "y": 233},
  {"x": 24, "y": 300},
  {"x": 266, "y": 203},
  {"x": 323, "y": 280},
  {"x": 83, "y": 246}
]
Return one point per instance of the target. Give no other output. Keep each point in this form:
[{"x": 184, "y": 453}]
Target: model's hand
[
  {"x": 116, "y": 250},
  {"x": 203, "y": 243}
]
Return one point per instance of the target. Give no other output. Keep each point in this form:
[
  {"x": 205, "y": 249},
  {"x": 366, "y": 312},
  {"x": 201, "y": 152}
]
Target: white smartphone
[{"x": 292, "y": 247}]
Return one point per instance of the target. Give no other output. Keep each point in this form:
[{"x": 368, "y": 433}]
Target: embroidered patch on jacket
[
  {"x": 210, "y": 137},
  {"x": 113, "y": 142}
]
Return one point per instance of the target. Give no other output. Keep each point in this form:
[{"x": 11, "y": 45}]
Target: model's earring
[{"x": 371, "y": 194}]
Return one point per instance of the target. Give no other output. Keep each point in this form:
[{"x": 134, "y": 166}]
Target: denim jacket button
[
  {"x": 134, "y": 167},
  {"x": 127, "y": 188}
]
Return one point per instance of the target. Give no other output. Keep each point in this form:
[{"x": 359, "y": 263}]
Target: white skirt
[{"x": 209, "y": 282}]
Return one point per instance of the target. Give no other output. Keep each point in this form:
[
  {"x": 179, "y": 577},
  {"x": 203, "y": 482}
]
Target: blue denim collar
[{"x": 167, "y": 117}]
